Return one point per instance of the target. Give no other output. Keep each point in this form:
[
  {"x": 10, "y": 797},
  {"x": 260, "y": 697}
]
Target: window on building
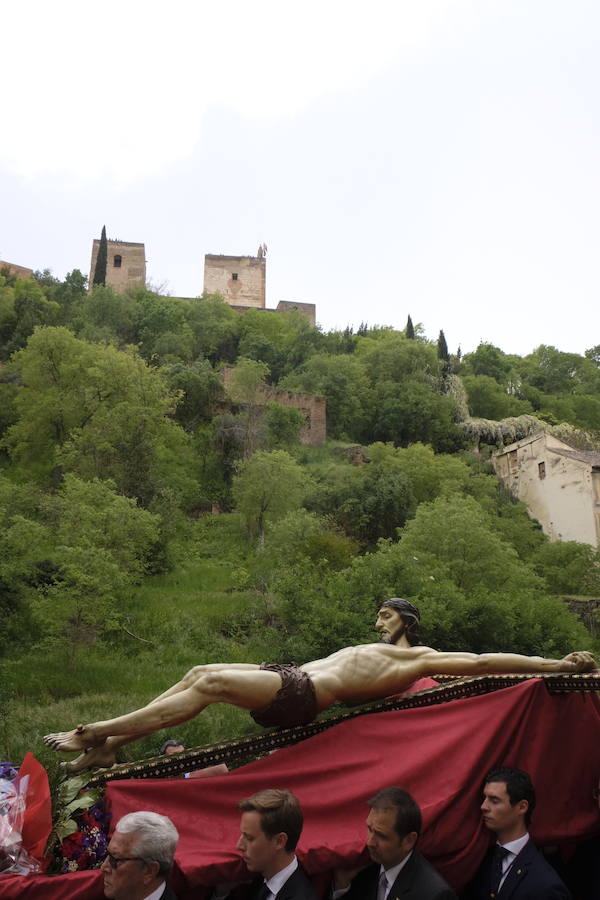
[
  {"x": 117, "y": 261},
  {"x": 542, "y": 470},
  {"x": 234, "y": 276}
]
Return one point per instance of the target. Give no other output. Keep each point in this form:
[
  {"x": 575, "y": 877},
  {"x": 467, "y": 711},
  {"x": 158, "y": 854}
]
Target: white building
[{"x": 559, "y": 485}]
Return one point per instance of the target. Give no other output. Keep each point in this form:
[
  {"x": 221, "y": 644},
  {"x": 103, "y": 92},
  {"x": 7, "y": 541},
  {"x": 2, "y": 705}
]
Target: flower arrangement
[{"x": 86, "y": 847}]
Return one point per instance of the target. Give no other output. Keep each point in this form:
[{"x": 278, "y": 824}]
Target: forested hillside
[{"x": 153, "y": 520}]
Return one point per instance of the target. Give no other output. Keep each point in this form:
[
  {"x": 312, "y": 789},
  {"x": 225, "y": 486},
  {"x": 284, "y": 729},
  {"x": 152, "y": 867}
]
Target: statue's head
[{"x": 407, "y": 623}]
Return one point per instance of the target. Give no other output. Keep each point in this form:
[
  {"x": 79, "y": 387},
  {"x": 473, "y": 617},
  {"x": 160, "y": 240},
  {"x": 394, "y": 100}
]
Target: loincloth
[{"x": 295, "y": 703}]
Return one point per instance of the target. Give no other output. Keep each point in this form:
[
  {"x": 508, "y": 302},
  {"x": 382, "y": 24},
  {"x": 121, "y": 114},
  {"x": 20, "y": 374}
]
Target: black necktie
[
  {"x": 263, "y": 892},
  {"x": 500, "y": 854}
]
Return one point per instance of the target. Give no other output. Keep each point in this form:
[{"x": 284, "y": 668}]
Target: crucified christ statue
[{"x": 295, "y": 695}]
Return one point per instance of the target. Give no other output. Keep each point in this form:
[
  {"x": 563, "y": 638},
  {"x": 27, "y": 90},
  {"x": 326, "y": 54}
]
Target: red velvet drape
[{"x": 440, "y": 754}]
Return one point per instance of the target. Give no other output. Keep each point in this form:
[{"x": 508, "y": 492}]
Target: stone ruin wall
[
  {"x": 314, "y": 410},
  {"x": 312, "y": 407}
]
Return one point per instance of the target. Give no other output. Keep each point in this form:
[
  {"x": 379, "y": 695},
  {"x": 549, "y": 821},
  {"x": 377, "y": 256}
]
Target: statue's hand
[{"x": 580, "y": 661}]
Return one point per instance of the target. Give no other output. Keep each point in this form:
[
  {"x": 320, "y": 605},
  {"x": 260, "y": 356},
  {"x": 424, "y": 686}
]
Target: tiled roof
[{"x": 587, "y": 456}]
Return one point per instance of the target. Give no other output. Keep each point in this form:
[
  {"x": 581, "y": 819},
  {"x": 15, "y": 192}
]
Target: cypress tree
[
  {"x": 101, "y": 259},
  {"x": 443, "y": 355},
  {"x": 409, "y": 331},
  {"x": 442, "y": 348}
]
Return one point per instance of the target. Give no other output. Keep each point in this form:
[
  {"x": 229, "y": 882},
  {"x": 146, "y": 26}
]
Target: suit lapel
[
  {"x": 286, "y": 888},
  {"x": 403, "y": 883},
  {"x": 517, "y": 871},
  {"x": 290, "y": 885}
]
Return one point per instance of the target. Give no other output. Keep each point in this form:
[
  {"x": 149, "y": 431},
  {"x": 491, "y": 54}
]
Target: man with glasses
[{"x": 140, "y": 856}]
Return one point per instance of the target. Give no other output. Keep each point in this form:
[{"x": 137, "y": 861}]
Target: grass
[{"x": 171, "y": 622}]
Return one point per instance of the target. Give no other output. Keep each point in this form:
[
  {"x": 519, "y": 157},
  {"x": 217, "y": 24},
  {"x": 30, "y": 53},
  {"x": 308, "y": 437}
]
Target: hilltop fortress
[{"x": 240, "y": 280}]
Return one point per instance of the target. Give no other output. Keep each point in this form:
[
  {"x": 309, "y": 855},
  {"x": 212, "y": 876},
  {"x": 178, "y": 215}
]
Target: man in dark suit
[
  {"x": 514, "y": 869},
  {"x": 270, "y": 828},
  {"x": 140, "y": 856},
  {"x": 398, "y": 871}
]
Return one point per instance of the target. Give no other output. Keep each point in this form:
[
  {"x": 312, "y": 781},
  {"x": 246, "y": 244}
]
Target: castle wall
[
  {"x": 309, "y": 310},
  {"x": 241, "y": 280},
  {"x": 125, "y": 264},
  {"x": 17, "y": 271}
]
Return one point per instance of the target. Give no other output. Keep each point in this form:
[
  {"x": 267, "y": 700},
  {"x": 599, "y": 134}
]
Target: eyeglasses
[{"x": 115, "y": 861}]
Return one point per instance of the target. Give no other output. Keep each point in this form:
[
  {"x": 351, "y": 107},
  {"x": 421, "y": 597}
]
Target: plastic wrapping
[{"x": 14, "y": 859}]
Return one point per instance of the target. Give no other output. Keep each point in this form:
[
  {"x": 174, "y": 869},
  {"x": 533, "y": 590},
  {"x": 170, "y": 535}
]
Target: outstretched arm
[{"x": 504, "y": 663}]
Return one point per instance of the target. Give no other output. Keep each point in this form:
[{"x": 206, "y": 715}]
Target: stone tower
[
  {"x": 125, "y": 264},
  {"x": 239, "y": 279}
]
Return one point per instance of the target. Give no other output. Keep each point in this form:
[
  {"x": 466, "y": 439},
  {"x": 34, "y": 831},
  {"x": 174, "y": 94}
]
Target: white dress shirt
[
  {"x": 392, "y": 874},
  {"x": 514, "y": 848},
  {"x": 279, "y": 879},
  {"x": 155, "y": 895}
]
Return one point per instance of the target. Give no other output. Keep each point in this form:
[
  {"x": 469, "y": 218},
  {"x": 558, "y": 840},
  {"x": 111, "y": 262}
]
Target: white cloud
[{"x": 121, "y": 88}]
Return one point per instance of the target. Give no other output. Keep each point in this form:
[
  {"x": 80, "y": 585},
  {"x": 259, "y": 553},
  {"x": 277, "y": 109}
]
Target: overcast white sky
[{"x": 433, "y": 157}]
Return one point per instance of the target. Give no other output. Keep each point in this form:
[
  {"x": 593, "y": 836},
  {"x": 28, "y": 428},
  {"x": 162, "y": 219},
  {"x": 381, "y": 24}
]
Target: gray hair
[{"x": 156, "y": 837}]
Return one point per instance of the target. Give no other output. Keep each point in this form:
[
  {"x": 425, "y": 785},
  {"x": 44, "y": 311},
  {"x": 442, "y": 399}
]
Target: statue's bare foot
[
  {"x": 580, "y": 661},
  {"x": 94, "y": 758},
  {"x": 81, "y": 738}
]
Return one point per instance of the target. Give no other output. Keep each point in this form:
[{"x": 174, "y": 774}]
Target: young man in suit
[
  {"x": 140, "y": 856},
  {"x": 514, "y": 869},
  {"x": 398, "y": 870},
  {"x": 270, "y": 828}
]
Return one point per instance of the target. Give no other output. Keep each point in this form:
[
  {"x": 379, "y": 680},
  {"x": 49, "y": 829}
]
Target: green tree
[
  {"x": 28, "y": 309},
  {"x": 102, "y": 542},
  {"x": 342, "y": 380},
  {"x": 489, "y": 400},
  {"x": 416, "y": 413},
  {"x": 568, "y": 567},
  {"x": 409, "y": 331},
  {"x": 108, "y": 317},
  {"x": 378, "y": 505},
  {"x": 474, "y": 591},
  {"x": 98, "y": 412},
  {"x": 442, "y": 348},
  {"x": 488, "y": 360},
  {"x": 162, "y": 329},
  {"x": 268, "y": 486},
  {"x": 24, "y": 544},
  {"x": 283, "y": 341},
  {"x": 246, "y": 387},
  {"x": 8, "y": 316},
  {"x": 69, "y": 294},
  {"x": 101, "y": 259},
  {"x": 215, "y": 329},
  {"x": 283, "y": 425},
  {"x": 554, "y": 372},
  {"x": 200, "y": 389}
]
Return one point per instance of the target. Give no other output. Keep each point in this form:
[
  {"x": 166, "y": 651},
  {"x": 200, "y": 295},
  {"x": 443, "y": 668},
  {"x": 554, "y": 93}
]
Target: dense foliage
[{"x": 119, "y": 436}]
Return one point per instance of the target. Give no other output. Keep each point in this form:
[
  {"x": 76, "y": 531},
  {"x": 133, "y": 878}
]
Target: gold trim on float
[{"x": 241, "y": 750}]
